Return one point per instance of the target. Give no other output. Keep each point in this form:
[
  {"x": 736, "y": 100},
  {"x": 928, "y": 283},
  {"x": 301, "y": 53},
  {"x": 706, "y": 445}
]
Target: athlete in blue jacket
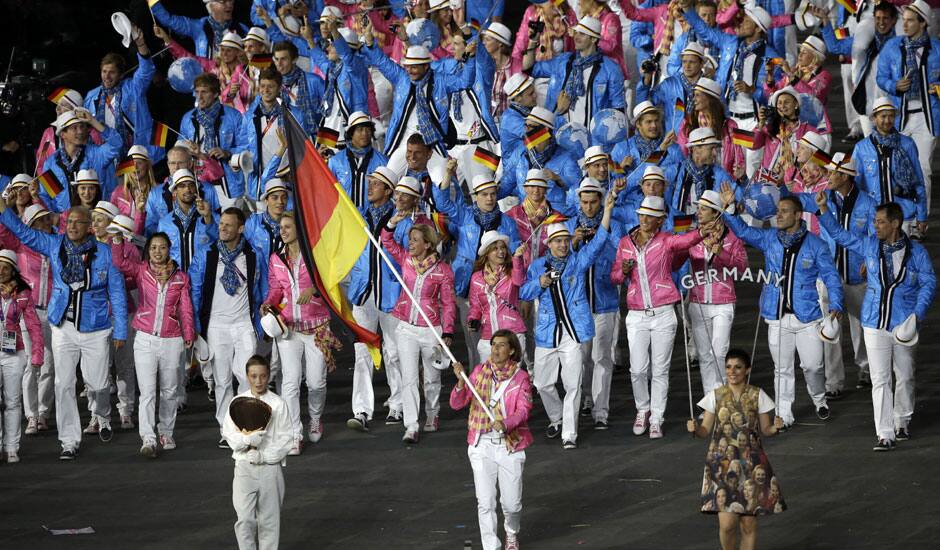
[
  {"x": 206, "y": 32},
  {"x": 160, "y": 199},
  {"x": 520, "y": 90},
  {"x": 358, "y": 159}
]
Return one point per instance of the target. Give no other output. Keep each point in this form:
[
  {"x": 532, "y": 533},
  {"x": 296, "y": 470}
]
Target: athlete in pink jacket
[{"x": 494, "y": 291}]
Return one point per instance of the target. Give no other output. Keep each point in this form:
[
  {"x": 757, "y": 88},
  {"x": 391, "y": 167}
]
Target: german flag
[
  {"x": 682, "y": 223},
  {"x": 50, "y": 183},
  {"x": 821, "y": 158},
  {"x": 161, "y": 133},
  {"x": 557, "y": 217},
  {"x": 440, "y": 222},
  {"x": 261, "y": 60},
  {"x": 680, "y": 105},
  {"x": 124, "y": 168},
  {"x": 848, "y": 5},
  {"x": 743, "y": 138},
  {"x": 775, "y": 61},
  {"x": 327, "y": 137},
  {"x": 536, "y": 137},
  {"x": 655, "y": 157},
  {"x": 58, "y": 94},
  {"x": 475, "y": 25},
  {"x": 486, "y": 158},
  {"x": 332, "y": 233},
  {"x": 614, "y": 168},
  {"x": 841, "y": 33}
]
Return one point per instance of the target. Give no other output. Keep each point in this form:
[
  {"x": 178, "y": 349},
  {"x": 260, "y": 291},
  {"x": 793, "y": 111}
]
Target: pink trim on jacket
[
  {"x": 21, "y": 306},
  {"x": 128, "y": 207},
  {"x": 305, "y": 316},
  {"x": 30, "y": 266},
  {"x": 517, "y": 403},
  {"x": 506, "y": 297},
  {"x": 732, "y": 155},
  {"x": 659, "y": 254},
  {"x": 732, "y": 255},
  {"x": 522, "y": 35}
]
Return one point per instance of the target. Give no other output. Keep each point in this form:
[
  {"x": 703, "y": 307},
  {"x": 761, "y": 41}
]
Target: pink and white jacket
[
  {"x": 163, "y": 310},
  {"x": 434, "y": 290},
  {"x": 732, "y": 154},
  {"x": 516, "y": 402},
  {"x": 128, "y": 207},
  {"x": 21, "y": 307},
  {"x": 498, "y": 307},
  {"x": 651, "y": 283},
  {"x": 539, "y": 245},
  {"x": 611, "y": 42},
  {"x": 713, "y": 287},
  {"x": 240, "y": 100},
  {"x": 771, "y": 144},
  {"x": 33, "y": 267},
  {"x": 522, "y": 35},
  {"x": 287, "y": 280}
]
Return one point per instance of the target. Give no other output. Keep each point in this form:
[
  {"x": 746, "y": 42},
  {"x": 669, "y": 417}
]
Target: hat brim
[
  {"x": 643, "y": 211},
  {"x": 483, "y": 247}
]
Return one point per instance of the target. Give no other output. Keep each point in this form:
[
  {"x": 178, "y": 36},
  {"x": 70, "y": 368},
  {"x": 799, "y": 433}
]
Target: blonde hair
[{"x": 427, "y": 233}]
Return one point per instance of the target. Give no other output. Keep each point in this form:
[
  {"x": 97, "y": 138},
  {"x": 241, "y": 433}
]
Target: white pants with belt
[
  {"x": 787, "y": 337},
  {"x": 157, "y": 361},
  {"x": 363, "y": 394},
  {"x": 835, "y": 363},
  {"x": 916, "y": 128},
  {"x": 11, "y": 379},
  {"x": 232, "y": 346},
  {"x": 568, "y": 356},
  {"x": 301, "y": 358},
  {"x": 893, "y": 409},
  {"x": 598, "y": 354},
  {"x": 650, "y": 336},
  {"x": 417, "y": 345},
  {"x": 93, "y": 350},
  {"x": 494, "y": 467},
  {"x": 38, "y": 384},
  {"x": 257, "y": 495},
  {"x": 711, "y": 330}
]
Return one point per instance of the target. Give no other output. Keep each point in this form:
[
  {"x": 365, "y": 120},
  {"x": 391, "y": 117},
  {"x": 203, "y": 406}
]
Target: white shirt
[
  {"x": 578, "y": 111},
  {"x": 764, "y": 403},
  {"x": 229, "y": 310},
  {"x": 278, "y": 436}
]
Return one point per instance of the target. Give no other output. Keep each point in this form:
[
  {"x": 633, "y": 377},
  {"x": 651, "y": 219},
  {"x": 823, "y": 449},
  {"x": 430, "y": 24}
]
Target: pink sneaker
[
  {"x": 656, "y": 431},
  {"x": 512, "y": 542},
  {"x": 297, "y": 447},
  {"x": 315, "y": 430},
  {"x": 641, "y": 422},
  {"x": 432, "y": 424},
  {"x": 167, "y": 443}
]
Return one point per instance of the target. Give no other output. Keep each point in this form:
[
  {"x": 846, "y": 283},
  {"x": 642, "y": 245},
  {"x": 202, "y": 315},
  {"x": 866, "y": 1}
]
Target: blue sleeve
[
  {"x": 196, "y": 276},
  {"x": 748, "y": 234},
  {"x": 921, "y": 201},
  {"x": 43, "y": 243},
  {"x": 711, "y": 36},
  {"x": 842, "y": 237},
  {"x": 926, "y": 287},
  {"x": 835, "y": 45},
  {"x": 888, "y": 73},
  {"x": 590, "y": 252},
  {"x": 829, "y": 275},
  {"x": 177, "y": 23},
  {"x": 389, "y": 69},
  {"x": 117, "y": 295},
  {"x": 460, "y": 81},
  {"x": 446, "y": 206},
  {"x": 103, "y": 154},
  {"x": 187, "y": 130},
  {"x": 532, "y": 288},
  {"x": 143, "y": 76}
]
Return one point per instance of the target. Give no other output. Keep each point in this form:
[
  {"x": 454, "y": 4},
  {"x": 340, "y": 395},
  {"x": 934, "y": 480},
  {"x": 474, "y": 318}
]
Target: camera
[
  {"x": 536, "y": 27},
  {"x": 772, "y": 116},
  {"x": 553, "y": 274},
  {"x": 474, "y": 325},
  {"x": 651, "y": 65}
]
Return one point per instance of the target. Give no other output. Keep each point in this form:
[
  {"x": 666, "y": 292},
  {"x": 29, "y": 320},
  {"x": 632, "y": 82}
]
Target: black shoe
[
  {"x": 884, "y": 445},
  {"x": 68, "y": 454},
  {"x": 601, "y": 425},
  {"x": 834, "y": 395},
  {"x": 586, "y": 410},
  {"x": 223, "y": 444},
  {"x": 553, "y": 431},
  {"x": 823, "y": 413},
  {"x": 785, "y": 428},
  {"x": 105, "y": 433},
  {"x": 359, "y": 423},
  {"x": 852, "y": 137},
  {"x": 568, "y": 445},
  {"x": 210, "y": 393},
  {"x": 394, "y": 417},
  {"x": 863, "y": 383},
  {"x": 903, "y": 434}
]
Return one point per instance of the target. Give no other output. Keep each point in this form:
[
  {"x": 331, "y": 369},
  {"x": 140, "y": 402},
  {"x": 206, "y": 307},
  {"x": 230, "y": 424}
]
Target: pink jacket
[
  {"x": 726, "y": 19},
  {"x": 32, "y": 267},
  {"x": 516, "y": 401},
  {"x": 435, "y": 294},
  {"x": 522, "y": 35},
  {"x": 657, "y": 15},
  {"x": 817, "y": 86},
  {"x": 611, "y": 42},
  {"x": 165, "y": 311},
  {"x": 242, "y": 99},
  {"x": 285, "y": 284},
  {"x": 732, "y": 155},
  {"x": 537, "y": 247},
  {"x": 657, "y": 256},
  {"x": 128, "y": 207},
  {"x": 772, "y": 143},
  {"x": 22, "y": 307},
  {"x": 710, "y": 285},
  {"x": 502, "y": 303}
]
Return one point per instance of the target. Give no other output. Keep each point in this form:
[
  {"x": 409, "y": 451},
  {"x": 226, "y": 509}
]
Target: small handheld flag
[
  {"x": 161, "y": 133},
  {"x": 841, "y": 33},
  {"x": 615, "y": 169},
  {"x": 536, "y": 136},
  {"x": 260, "y": 60},
  {"x": 557, "y": 217},
  {"x": 680, "y": 105},
  {"x": 821, "y": 158},
  {"x": 440, "y": 222},
  {"x": 152, "y": 3},
  {"x": 655, "y": 157},
  {"x": 743, "y": 138},
  {"x": 57, "y": 94},
  {"x": 475, "y": 25},
  {"x": 50, "y": 183},
  {"x": 125, "y": 168},
  {"x": 327, "y": 137},
  {"x": 682, "y": 223},
  {"x": 486, "y": 158},
  {"x": 849, "y": 6}
]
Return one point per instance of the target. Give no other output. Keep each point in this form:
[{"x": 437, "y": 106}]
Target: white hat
[
  {"x": 829, "y": 330},
  {"x": 435, "y": 5},
  {"x": 330, "y": 11},
  {"x": 643, "y": 108},
  {"x": 86, "y": 176},
  {"x": 703, "y": 136},
  {"x": 123, "y": 26},
  {"x": 652, "y": 206},
  {"x": 709, "y": 60},
  {"x": 33, "y": 212},
  {"x": 274, "y": 184},
  {"x": 590, "y": 26},
  {"x": 242, "y": 162},
  {"x": 653, "y": 172},
  {"x": 789, "y": 90},
  {"x": 591, "y": 185},
  {"x": 203, "y": 352},
  {"x": 842, "y": 163},
  {"x": 804, "y": 18},
  {"x": 72, "y": 97},
  {"x": 708, "y": 86},
  {"x": 921, "y": 8},
  {"x": 541, "y": 116},
  {"x": 815, "y": 44},
  {"x": 490, "y": 237},
  {"x": 273, "y": 325},
  {"x": 536, "y": 178},
  {"x": 815, "y": 141},
  {"x": 516, "y": 84},
  {"x": 694, "y": 48},
  {"x": 232, "y": 40},
  {"x": 409, "y": 186},
  {"x": 883, "y": 103},
  {"x": 138, "y": 152},
  {"x": 258, "y": 35},
  {"x": 906, "y": 333},
  {"x": 499, "y": 32},
  {"x": 182, "y": 176},
  {"x": 358, "y": 118},
  {"x": 350, "y": 37},
  {"x": 19, "y": 180},
  {"x": 122, "y": 224},
  {"x": 386, "y": 175},
  {"x": 65, "y": 120},
  {"x": 710, "y": 199},
  {"x": 482, "y": 183},
  {"x": 107, "y": 209},
  {"x": 8, "y": 256},
  {"x": 556, "y": 230},
  {"x": 417, "y": 55},
  {"x": 759, "y": 15},
  {"x": 595, "y": 153}
]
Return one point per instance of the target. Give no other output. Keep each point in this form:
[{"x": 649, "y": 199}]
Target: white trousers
[
  {"x": 157, "y": 361},
  {"x": 93, "y": 350},
  {"x": 125, "y": 374},
  {"x": 484, "y": 349},
  {"x": 363, "y": 395},
  {"x": 598, "y": 366},
  {"x": 711, "y": 330},
  {"x": 650, "y": 338},
  {"x": 471, "y": 337},
  {"x": 417, "y": 345},
  {"x": 11, "y": 379},
  {"x": 787, "y": 337},
  {"x": 231, "y": 347},
  {"x": 38, "y": 384},
  {"x": 893, "y": 409},
  {"x": 494, "y": 467},
  {"x": 257, "y": 495},
  {"x": 566, "y": 355},
  {"x": 916, "y": 129},
  {"x": 835, "y": 364},
  {"x": 300, "y": 357},
  {"x": 852, "y": 119},
  {"x": 752, "y": 157}
]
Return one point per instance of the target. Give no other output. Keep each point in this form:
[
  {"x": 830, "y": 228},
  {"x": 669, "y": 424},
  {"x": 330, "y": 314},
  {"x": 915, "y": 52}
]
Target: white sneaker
[
  {"x": 166, "y": 441},
  {"x": 296, "y": 448},
  {"x": 12, "y": 457},
  {"x": 656, "y": 431},
  {"x": 127, "y": 423},
  {"x": 432, "y": 424},
  {"x": 641, "y": 422},
  {"x": 92, "y": 427},
  {"x": 32, "y": 426},
  {"x": 149, "y": 449},
  {"x": 410, "y": 437},
  {"x": 315, "y": 430}
]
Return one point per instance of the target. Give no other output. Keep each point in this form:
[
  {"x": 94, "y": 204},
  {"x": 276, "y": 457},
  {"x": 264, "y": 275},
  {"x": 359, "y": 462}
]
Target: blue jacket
[
  {"x": 664, "y": 96},
  {"x": 679, "y": 192},
  {"x": 99, "y": 157},
  {"x": 370, "y": 277},
  {"x": 813, "y": 261},
  {"x": 571, "y": 292},
  {"x": 202, "y": 275},
  {"x": 352, "y": 86},
  {"x": 468, "y": 235},
  {"x": 355, "y": 182},
  {"x": 480, "y": 10},
  {"x": 101, "y": 303},
  {"x": 250, "y": 132},
  {"x": 892, "y": 67},
  {"x": 511, "y": 131},
  {"x": 228, "y": 128},
  {"x": 561, "y": 163},
  {"x": 674, "y": 63},
  {"x": 602, "y": 295},
  {"x": 887, "y": 305},
  {"x": 134, "y": 109},
  {"x": 869, "y": 161},
  {"x": 185, "y": 242},
  {"x": 605, "y": 85},
  {"x": 628, "y": 148},
  {"x": 160, "y": 202},
  {"x": 198, "y": 30}
]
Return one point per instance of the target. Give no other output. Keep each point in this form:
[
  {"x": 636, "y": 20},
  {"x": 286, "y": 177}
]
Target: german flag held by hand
[
  {"x": 327, "y": 137},
  {"x": 50, "y": 183},
  {"x": 821, "y": 158},
  {"x": 261, "y": 60},
  {"x": 536, "y": 136},
  {"x": 125, "y": 168},
  {"x": 486, "y": 158},
  {"x": 743, "y": 138}
]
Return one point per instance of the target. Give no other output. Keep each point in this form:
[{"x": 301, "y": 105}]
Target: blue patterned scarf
[
  {"x": 541, "y": 158},
  {"x": 574, "y": 87},
  {"x": 102, "y": 107},
  {"x": 207, "y": 119},
  {"x": 376, "y": 213},
  {"x": 303, "y": 100},
  {"x": 274, "y": 230},
  {"x": 488, "y": 221},
  {"x": 274, "y": 111},
  {"x": 790, "y": 239},
  {"x": 74, "y": 269},
  {"x": 185, "y": 217},
  {"x": 644, "y": 147},
  {"x": 426, "y": 126},
  {"x": 557, "y": 264},
  {"x": 589, "y": 223},
  {"x": 332, "y": 76},
  {"x": 358, "y": 151},
  {"x": 523, "y": 110},
  {"x": 744, "y": 50},
  {"x": 218, "y": 31},
  {"x": 456, "y": 100},
  {"x": 902, "y": 169},
  {"x": 698, "y": 175},
  {"x": 912, "y": 63},
  {"x": 888, "y": 250},
  {"x": 231, "y": 277}
]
